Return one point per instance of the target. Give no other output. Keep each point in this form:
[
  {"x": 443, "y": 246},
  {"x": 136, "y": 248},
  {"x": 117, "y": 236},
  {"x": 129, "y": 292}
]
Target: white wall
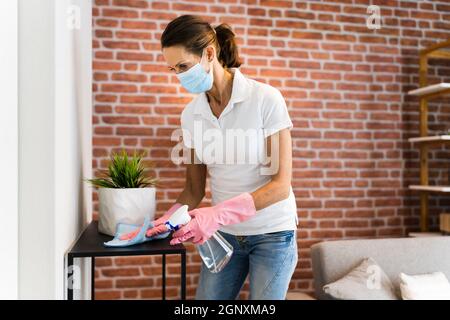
[
  {"x": 73, "y": 124},
  {"x": 9, "y": 146},
  {"x": 55, "y": 140}
]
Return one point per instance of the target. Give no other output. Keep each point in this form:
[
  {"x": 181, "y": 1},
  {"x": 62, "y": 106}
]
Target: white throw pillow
[
  {"x": 367, "y": 281},
  {"x": 432, "y": 286}
]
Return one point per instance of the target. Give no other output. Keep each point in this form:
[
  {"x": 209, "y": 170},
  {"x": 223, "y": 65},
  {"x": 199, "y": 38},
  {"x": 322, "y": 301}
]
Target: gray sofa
[{"x": 332, "y": 260}]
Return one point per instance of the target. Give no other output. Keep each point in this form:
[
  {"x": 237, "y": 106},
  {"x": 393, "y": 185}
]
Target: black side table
[{"x": 90, "y": 244}]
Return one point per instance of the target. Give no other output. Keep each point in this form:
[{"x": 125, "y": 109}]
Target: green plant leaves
[{"x": 124, "y": 172}]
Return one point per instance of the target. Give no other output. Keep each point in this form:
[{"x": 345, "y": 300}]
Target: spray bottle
[{"x": 215, "y": 252}]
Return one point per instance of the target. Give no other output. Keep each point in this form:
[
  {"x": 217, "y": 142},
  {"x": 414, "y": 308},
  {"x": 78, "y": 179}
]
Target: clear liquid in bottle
[{"x": 215, "y": 252}]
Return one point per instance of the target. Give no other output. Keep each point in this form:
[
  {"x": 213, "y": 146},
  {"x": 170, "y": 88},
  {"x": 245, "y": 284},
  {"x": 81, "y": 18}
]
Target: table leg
[
  {"x": 92, "y": 278},
  {"x": 183, "y": 276},
  {"x": 69, "y": 277},
  {"x": 164, "y": 277}
]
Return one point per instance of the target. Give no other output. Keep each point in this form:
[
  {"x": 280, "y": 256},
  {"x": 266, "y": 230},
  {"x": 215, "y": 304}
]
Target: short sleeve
[{"x": 275, "y": 113}]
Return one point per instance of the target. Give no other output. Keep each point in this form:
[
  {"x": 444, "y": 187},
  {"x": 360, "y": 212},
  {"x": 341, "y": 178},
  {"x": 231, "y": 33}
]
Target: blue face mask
[{"x": 196, "y": 79}]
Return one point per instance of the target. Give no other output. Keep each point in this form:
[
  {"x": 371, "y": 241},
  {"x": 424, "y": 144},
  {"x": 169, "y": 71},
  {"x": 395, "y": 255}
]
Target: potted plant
[{"x": 126, "y": 194}]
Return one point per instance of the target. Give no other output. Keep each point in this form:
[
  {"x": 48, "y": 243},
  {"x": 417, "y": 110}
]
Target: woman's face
[{"x": 178, "y": 59}]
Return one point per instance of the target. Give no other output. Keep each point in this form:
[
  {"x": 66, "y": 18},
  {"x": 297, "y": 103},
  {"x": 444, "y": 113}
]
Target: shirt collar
[{"x": 239, "y": 92}]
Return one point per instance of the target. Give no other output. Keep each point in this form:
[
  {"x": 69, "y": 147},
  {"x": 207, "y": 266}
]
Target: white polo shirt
[{"x": 233, "y": 148}]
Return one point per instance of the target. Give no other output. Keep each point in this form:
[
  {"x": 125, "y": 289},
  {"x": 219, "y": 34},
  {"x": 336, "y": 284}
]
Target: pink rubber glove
[
  {"x": 207, "y": 220},
  {"x": 156, "y": 223}
]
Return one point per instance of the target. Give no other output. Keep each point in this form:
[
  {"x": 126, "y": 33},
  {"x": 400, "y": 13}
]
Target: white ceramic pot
[{"x": 124, "y": 206}]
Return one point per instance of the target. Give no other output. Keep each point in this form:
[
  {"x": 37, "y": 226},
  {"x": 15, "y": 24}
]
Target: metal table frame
[{"x": 90, "y": 245}]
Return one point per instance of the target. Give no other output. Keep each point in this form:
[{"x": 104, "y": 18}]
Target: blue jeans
[{"x": 269, "y": 259}]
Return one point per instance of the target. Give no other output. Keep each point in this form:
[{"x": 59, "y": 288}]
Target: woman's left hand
[{"x": 208, "y": 220}]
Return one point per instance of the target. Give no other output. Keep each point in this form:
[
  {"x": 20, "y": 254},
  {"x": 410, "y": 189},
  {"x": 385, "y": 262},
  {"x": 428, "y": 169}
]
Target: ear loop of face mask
[{"x": 201, "y": 58}]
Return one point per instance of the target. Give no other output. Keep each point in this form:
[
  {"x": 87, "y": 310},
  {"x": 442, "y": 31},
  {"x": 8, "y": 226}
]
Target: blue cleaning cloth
[{"x": 123, "y": 228}]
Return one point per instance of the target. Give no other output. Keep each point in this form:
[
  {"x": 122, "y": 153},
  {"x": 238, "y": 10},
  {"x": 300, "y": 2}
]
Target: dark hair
[{"x": 195, "y": 34}]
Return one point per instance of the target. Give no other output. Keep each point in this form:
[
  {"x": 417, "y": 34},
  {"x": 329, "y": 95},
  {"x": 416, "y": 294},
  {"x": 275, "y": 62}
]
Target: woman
[{"x": 254, "y": 211}]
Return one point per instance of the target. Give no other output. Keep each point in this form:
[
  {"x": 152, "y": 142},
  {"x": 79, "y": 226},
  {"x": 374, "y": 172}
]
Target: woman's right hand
[{"x": 158, "y": 225}]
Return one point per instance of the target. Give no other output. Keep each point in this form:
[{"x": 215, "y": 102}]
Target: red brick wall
[{"x": 345, "y": 88}]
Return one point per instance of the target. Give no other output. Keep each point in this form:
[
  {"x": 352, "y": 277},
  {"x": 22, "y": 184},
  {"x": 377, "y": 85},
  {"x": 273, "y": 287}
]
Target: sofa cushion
[{"x": 367, "y": 281}]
